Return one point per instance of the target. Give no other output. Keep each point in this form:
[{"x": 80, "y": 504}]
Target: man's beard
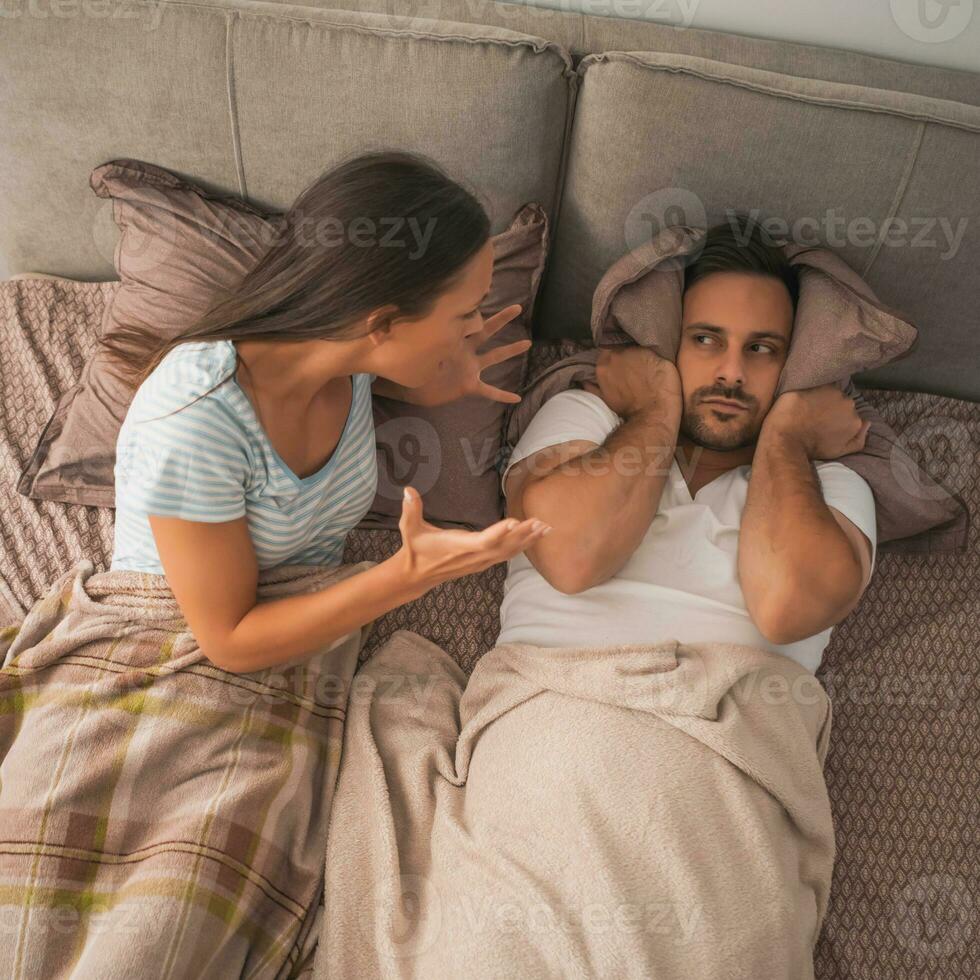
[{"x": 732, "y": 435}]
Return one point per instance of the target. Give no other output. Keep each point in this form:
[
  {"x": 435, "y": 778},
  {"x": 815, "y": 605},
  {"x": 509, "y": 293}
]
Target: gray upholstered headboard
[{"x": 615, "y": 126}]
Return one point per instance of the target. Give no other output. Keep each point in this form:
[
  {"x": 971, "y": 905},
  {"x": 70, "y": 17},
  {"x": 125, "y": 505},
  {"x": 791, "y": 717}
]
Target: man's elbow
[
  {"x": 569, "y": 578},
  {"x": 778, "y": 628},
  {"x": 785, "y": 622},
  {"x": 563, "y": 569},
  {"x": 798, "y": 613}
]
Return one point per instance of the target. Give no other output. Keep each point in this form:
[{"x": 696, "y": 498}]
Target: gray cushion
[
  {"x": 671, "y": 139},
  {"x": 584, "y": 33},
  {"x": 256, "y": 99}
]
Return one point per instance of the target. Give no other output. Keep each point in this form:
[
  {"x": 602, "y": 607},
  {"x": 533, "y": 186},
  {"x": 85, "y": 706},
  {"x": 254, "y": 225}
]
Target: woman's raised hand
[
  {"x": 432, "y": 555},
  {"x": 460, "y": 374},
  {"x": 475, "y": 364}
]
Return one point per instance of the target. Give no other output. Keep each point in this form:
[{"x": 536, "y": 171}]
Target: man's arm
[
  {"x": 599, "y": 502},
  {"x": 803, "y": 565}
]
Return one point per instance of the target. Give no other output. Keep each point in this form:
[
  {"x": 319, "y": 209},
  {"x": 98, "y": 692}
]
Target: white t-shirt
[{"x": 682, "y": 580}]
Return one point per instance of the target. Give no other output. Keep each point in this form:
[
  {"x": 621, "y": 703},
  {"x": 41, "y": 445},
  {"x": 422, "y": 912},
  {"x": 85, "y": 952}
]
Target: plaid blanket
[{"x": 159, "y": 816}]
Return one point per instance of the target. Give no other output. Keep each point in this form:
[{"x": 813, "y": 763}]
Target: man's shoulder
[
  {"x": 847, "y": 492},
  {"x": 833, "y": 471},
  {"x": 569, "y": 415},
  {"x": 577, "y": 402}
]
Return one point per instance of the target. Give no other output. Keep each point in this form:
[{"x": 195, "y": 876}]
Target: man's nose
[{"x": 730, "y": 371}]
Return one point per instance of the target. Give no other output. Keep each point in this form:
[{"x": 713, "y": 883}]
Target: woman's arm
[
  {"x": 212, "y": 571},
  {"x": 292, "y": 628}
]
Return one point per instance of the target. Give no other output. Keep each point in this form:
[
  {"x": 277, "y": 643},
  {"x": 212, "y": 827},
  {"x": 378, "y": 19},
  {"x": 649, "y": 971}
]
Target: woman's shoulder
[
  {"x": 187, "y": 372},
  {"x": 198, "y": 362}
]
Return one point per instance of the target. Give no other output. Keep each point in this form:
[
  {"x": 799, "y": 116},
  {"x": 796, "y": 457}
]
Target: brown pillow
[
  {"x": 179, "y": 244},
  {"x": 840, "y": 329}
]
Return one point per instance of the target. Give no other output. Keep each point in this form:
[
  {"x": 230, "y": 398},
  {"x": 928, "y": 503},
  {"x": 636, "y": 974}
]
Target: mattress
[{"x": 903, "y": 670}]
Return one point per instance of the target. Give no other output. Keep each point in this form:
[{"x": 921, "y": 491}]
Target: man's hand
[
  {"x": 824, "y": 421},
  {"x": 632, "y": 379}
]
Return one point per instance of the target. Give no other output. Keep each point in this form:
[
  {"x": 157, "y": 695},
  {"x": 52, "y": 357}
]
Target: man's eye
[
  {"x": 699, "y": 336},
  {"x": 771, "y": 350}
]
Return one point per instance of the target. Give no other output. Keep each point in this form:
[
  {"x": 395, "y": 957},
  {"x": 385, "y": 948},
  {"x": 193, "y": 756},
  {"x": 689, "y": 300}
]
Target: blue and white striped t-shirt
[{"x": 212, "y": 461}]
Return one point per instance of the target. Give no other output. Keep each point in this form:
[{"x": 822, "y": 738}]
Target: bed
[
  {"x": 904, "y": 763},
  {"x": 903, "y": 770}
]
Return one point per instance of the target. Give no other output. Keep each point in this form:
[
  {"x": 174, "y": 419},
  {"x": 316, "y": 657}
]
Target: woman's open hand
[
  {"x": 432, "y": 555},
  {"x": 460, "y": 375}
]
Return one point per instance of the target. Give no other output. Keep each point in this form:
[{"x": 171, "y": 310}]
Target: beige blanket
[{"x": 641, "y": 811}]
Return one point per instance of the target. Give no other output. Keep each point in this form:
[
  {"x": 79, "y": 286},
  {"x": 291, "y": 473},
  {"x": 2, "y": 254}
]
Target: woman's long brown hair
[{"x": 318, "y": 278}]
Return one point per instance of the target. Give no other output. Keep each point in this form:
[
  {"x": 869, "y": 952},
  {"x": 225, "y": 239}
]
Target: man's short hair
[{"x": 743, "y": 245}]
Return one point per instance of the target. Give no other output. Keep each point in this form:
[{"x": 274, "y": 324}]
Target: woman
[{"x": 250, "y": 442}]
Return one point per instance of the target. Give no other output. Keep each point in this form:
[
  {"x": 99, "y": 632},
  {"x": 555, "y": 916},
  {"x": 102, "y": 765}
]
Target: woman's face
[{"x": 411, "y": 350}]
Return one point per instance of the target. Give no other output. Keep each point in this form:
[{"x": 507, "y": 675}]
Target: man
[{"x": 685, "y": 501}]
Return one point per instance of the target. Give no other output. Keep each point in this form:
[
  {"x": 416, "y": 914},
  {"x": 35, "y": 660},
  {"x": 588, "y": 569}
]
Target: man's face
[{"x": 735, "y": 336}]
